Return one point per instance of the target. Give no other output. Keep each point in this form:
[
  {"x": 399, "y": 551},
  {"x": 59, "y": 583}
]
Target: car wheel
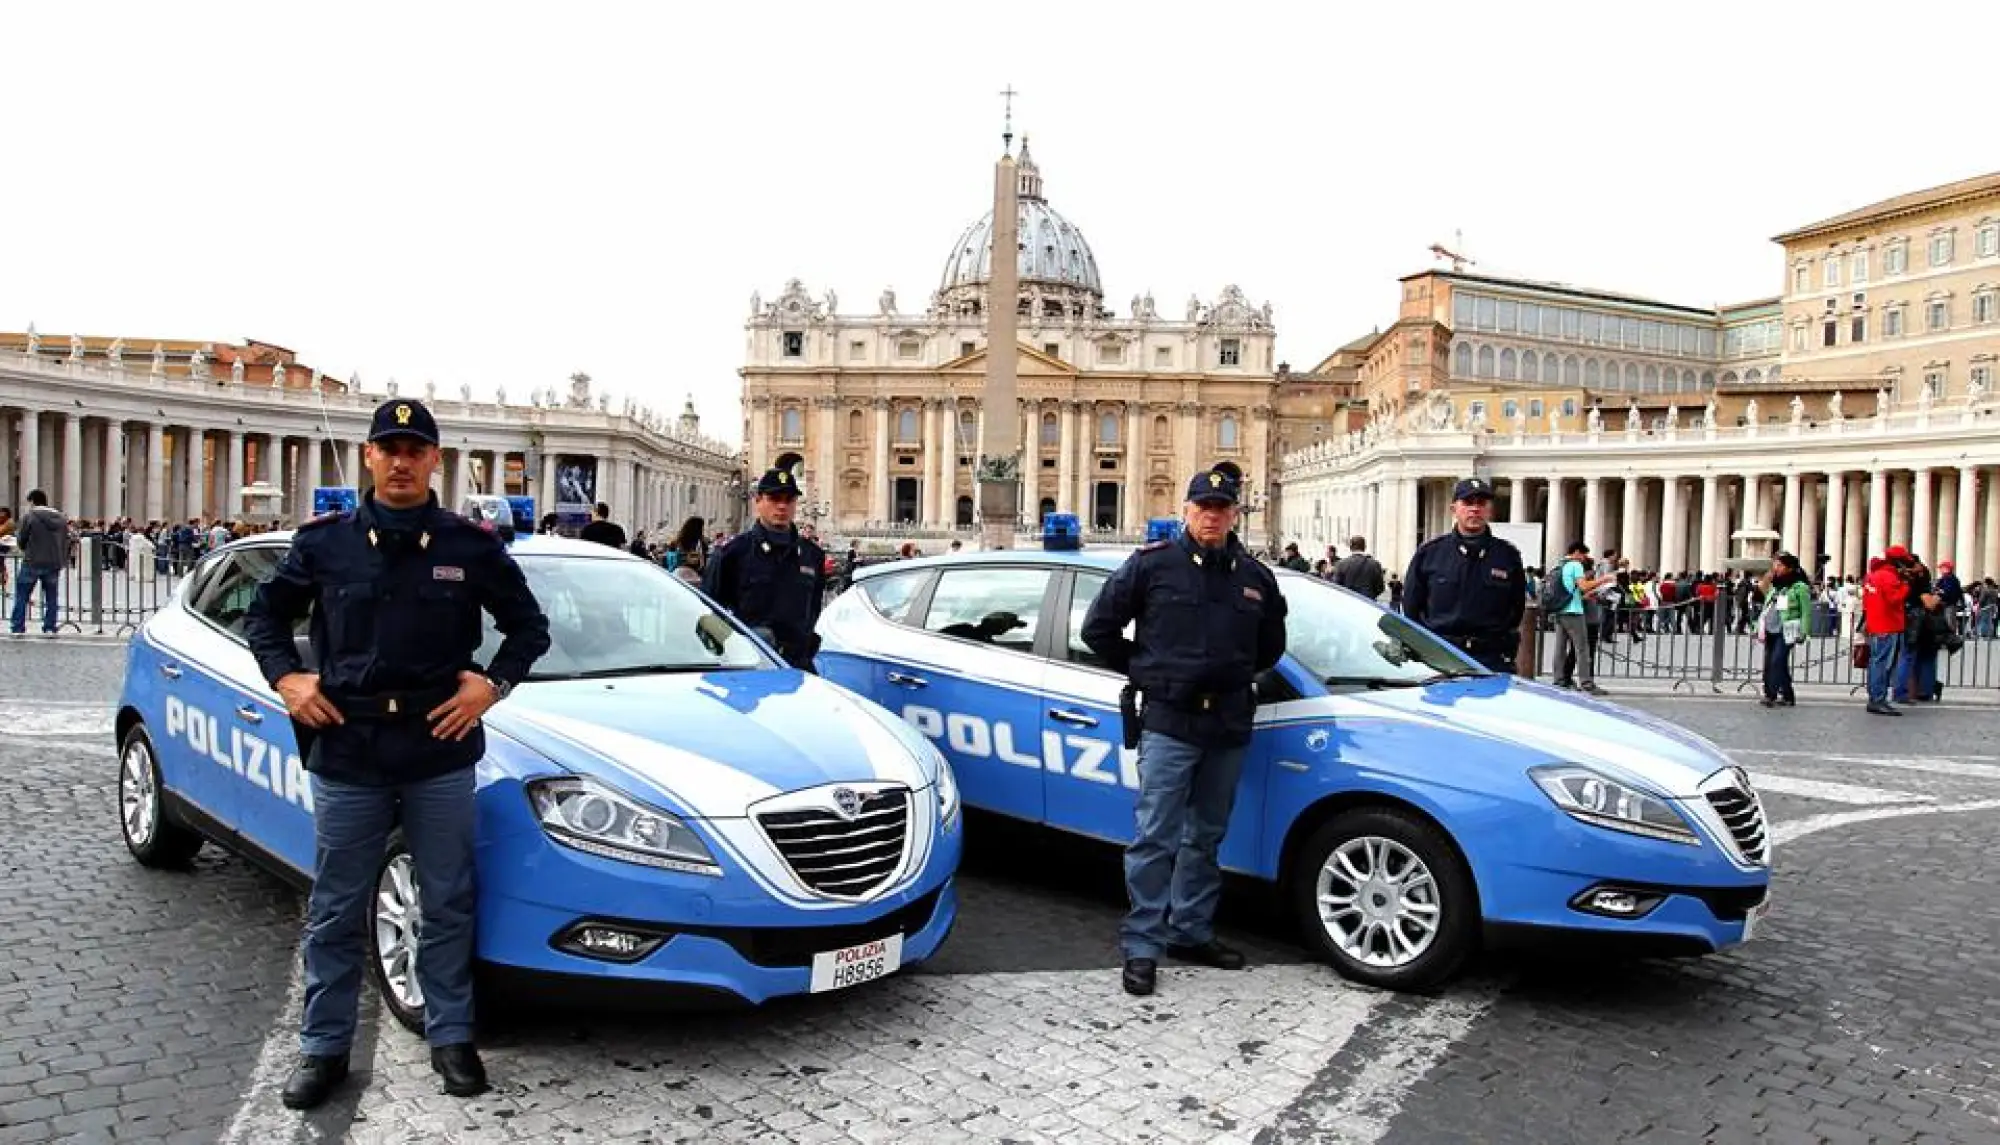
[
  {"x": 397, "y": 930},
  {"x": 150, "y": 833},
  {"x": 1386, "y": 897}
]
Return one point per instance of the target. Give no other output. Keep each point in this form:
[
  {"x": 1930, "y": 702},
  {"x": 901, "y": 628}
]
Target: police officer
[
  {"x": 389, "y": 727},
  {"x": 771, "y": 577},
  {"x": 1208, "y": 618},
  {"x": 1468, "y": 585}
]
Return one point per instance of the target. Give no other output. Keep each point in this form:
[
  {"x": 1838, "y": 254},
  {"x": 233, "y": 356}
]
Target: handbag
[
  {"x": 1859, "y": 655},
  {"x": 1795, "y": 632}
]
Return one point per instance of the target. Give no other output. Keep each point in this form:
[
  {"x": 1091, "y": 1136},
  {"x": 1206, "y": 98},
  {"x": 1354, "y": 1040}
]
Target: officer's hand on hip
[
  {"x": 460, "y": 714},
  {"x": 306, "y": 703}
]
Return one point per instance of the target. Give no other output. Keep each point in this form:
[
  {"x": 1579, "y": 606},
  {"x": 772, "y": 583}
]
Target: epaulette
[
  {"x": 1151, "y": 545},
  {"x": 322, "y": 520}
]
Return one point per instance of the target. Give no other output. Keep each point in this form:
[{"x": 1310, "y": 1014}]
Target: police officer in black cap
[
  {"x": 1468, "y": 585},
  {"x": 389, "y": 726},
  {"x": 1208, "y": 618},
  {"x": 771, "y": 577}
]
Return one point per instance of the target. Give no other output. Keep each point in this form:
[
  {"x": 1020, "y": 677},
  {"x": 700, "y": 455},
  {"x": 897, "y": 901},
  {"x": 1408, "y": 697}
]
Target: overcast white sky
[{"x": 503, "y": 194}]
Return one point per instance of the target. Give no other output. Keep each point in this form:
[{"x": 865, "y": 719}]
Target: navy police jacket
[
  {"x": 394, "y": 615},
  {"x": 1206, "y": 622},
  {"x": 775, "y": 581},
  {"x": 1472, "y": 591}
]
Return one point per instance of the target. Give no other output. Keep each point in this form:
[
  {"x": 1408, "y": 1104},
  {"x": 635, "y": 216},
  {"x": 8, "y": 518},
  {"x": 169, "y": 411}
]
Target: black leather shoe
[
  {"x": 1883, "y": 710},
  {"x": 313, "y": 1080},
  {"x": 1141, "y": 975},
  {"x": 460, "y": 1067},
  {"x": 1210, "y": 953}
]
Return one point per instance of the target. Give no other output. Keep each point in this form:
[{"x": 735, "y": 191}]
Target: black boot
[
  {"x": 460, "y": 1067},
  {"x": 1141, "y": 975},
  {"x": 1210, "y": 953},
  {"x": 313, "y": 1080}
]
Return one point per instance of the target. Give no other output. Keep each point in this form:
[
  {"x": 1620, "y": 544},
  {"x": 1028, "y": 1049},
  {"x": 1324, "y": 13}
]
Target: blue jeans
[
  {"x": 1777, "y": 667},
  {"x": 1883, "y": 654},
  {"x": 1185, "y": 796},
  {"x": 47, "y": 576},
  {"x": 351, "y": 826},
  {"x": 1918, "y": 678}
]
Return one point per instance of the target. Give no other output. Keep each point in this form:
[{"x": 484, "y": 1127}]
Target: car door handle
[
  {"x": 170, "y": 671},
  {"x": 1077, "y": 718},
  {"x": 249, "y": 715},
  {"x": 908, "y": 681}
]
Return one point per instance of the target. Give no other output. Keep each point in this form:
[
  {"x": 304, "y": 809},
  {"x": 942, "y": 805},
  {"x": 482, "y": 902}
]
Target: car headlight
[
  {"x": 591, "y": 817},
  {"x": 947, "y": 792},
  {"x": 1592, "y": 797}
]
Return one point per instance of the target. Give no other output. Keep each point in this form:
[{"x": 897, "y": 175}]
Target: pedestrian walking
[
  {"x": 1207, "y": 618},
  {"x": 1468, "y": 585},
  {"x": 1563, "y": 599},
  {"x": 1358, "y": 571},
  {"x": 770, "y": 576},
  {"x": 389, "y": 727},
  {"x": 1783, "y": 626},
  {"x": 43, "y": 539}
]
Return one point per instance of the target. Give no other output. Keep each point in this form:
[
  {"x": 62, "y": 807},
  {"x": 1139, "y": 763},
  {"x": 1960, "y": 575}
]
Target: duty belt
[{"x": 392, "y": 706}]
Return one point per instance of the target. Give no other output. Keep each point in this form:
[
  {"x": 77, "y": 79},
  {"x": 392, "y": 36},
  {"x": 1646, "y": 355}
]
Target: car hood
[
  {"x": 1557, "y": 726},
  {"x": 711, "y": 743}
]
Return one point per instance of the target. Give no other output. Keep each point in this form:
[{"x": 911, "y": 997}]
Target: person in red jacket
[{"x": 1882, "y": 598}]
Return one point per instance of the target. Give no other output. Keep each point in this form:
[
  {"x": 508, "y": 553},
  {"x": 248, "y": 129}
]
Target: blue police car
[
  {"x": 1410, "y": 804},
  {"x": 662, "y": 802}
]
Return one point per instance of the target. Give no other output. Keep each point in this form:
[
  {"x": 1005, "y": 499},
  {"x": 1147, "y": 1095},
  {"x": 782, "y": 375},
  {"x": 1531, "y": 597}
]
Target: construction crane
[{"x": 1458, "y": 261}]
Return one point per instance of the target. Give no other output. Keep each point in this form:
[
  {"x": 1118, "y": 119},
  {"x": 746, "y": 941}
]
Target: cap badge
[
  {"x": 1215, "y": 481},
  {"x": 784, "y": 478},
  {"x": 402, "y": 415}
]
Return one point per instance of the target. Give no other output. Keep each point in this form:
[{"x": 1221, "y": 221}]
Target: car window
[
  {"x": 611, "y": 617},
  {"x": 1001, "y": 607},
  {"x": 226, "y": 593},
  {"x": 1088, "y": 585},
  {"x": 893, "y": 595},
  {"x": 1337, "y": 635}
]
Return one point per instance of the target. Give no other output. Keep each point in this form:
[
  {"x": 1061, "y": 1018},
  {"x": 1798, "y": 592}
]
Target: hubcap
[
  {"x": 398, "y": 926},
  {"x": 137, "y": 797},
  {"x": 1378, "y": 902}
]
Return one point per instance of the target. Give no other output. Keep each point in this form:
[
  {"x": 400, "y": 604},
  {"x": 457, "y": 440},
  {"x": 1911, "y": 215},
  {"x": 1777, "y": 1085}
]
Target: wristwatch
[{"x": 501, "y": 688}]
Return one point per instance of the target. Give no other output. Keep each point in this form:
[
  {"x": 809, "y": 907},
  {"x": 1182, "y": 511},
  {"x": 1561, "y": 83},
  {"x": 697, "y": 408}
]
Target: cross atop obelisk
[{"x": 1000, "y": 437}]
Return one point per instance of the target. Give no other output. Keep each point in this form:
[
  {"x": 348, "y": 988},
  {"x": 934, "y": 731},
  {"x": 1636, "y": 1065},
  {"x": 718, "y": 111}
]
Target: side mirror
[{"x": 1272, "y": 687}]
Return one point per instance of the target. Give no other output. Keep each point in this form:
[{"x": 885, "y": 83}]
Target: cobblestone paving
[{"x": 139, "y": 1005}]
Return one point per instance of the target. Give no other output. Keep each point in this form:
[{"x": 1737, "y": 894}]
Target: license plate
[
  {"x": 853, "y": 965},
  {"x": 1754, "y": 919}
]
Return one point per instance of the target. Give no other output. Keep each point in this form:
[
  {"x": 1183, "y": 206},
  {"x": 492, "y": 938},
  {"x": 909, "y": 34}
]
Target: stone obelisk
[{"x": 1000, "y": 436}]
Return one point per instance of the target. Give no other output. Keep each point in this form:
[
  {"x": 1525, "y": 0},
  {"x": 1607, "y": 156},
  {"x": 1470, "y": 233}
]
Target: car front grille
[
  {"x": 841, "y": 856},
  {"x": 1744, "y": 817}
]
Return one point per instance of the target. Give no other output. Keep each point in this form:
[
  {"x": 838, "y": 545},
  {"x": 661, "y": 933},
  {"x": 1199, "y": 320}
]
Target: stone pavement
[{"x": 139, "y": 1005}]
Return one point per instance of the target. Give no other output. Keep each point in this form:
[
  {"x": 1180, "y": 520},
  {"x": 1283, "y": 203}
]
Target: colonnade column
[
  {"x": 1878, "y": 515},
  {"x": 1989, "y": 556},
  {"x": 1808, "y": 550},
  {"x": 1135, "y": 469},
  {"x": 1593, "y": 514},
  {"x": 72, "y": 470},
  {"x": 1899, "y": 511},
  {"x": 1836, "y": 524},
  {"x": 1556, "y": 538},
  {"x": 111, "y": 491},
  {"x": 1964, "y": 537},
  {"x": 1920, "y": 517},
  {"x": 1857, "y": 526},
  {"x": 31, "y": 456},
  {"x": 1711, "y": 519},
  {"x": 878, "y": 478},
  {"x": 1673, "y": 527},
  {"x": 1789, "y": 530},
  {"x": 1628, "y": 523},
  {"x": 1066, "y": 462},
  {"x": 1946, "y": 521}
]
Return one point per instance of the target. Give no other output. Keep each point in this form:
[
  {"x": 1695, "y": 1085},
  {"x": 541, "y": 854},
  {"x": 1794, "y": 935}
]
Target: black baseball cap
[
  {"x": 777, "y": 483},
  {"x": 1473, "y": 489},
  {"x": 1217, "y": 484},
  {"x": 403, "y": 417}
]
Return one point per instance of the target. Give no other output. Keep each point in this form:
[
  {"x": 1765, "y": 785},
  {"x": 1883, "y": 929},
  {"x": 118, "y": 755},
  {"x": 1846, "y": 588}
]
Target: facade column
[
  {"x": 1066, "y": 462},
  {"x": 31, "y": 456},
  {"x": 1135, "y": 469},
  {"x": 156, "y": 472},
  {"x": 545, "y": 495},
  {"x": 72, "y": 465},
  {"x": 8, "y": 495},
  {"x": 1673, "y": 537},
  {"x": 1920, "y": 517},
  {"x": 1965, "y": 538},
  {"x": 1593, "y": 514},
  {"x": 1989, "y": 551},
  {"x": 1878, "y": 516},
  {"x": 1711, "y": 517},
  {"x": 231, "y": 501},
  {"x": 1753, "y": 501},
  {"x": 1947, "y": 520},
  {"x": 1789, "y": 534},
  {"x": 878, "y": 480},
  {"x": 1836, "y": 524},
  {"x": 197, "y": 472},
  {"x": 1899, "y": 510},
  {"x": 1031, "y": 462},
  {"x": 1555, "y": 538},
  {"x": 1856, "y": 538},
  {"x": 460, "y": 485},
  {"x": 1086, "y": 456},
  {"x": 1808, "y": 550},
  {"x": 357, "y": 474},
  {"x": 1519, "y": 499},
  {"x": 1628, "y": 522}
]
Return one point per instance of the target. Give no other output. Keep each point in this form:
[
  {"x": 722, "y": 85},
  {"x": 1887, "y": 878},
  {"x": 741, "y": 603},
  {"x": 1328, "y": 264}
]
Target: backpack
[{"x": 1556, "y": 595}]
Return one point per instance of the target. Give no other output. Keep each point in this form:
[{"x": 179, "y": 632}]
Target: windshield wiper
[
  {"x": 1453, "y": 674},
  {"x": 642, "y": 670},
  {"x": 1376, "y": 681}
]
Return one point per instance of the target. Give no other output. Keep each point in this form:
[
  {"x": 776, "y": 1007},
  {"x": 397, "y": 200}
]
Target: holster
[{"x": 1128, "y": 711}]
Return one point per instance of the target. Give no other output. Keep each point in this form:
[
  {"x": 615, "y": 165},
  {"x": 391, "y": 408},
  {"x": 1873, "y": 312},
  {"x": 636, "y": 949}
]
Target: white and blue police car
[
  {"x": 1410, "y": 804},
  {"x": 662, "y": 803}
]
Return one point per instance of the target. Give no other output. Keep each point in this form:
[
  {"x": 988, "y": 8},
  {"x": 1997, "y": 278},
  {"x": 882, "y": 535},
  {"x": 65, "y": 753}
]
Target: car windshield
[
  {"x": 610, "y": 617},
  {"x": 1342, "y": 639}
]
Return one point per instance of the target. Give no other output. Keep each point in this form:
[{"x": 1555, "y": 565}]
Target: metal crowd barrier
[
  {"x": 107, "y": 588},
  {"x": 1689, "y": 644}
]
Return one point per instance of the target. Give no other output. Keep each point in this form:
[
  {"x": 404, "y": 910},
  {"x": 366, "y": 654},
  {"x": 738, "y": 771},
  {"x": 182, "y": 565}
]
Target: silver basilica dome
[{"x": 1054, "y": 257}]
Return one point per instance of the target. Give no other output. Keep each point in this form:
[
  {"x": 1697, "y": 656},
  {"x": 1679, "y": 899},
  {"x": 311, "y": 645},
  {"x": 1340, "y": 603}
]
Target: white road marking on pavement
[
  {"x": 1794, "y": 753},
  {"x": 1933, "y": 765},
  {"x": 261, "y": 1117},
  {"x": 1830, "y": 791},
  {"x": 1797, "y": 828},
  {"x": 38, "y": 719}
]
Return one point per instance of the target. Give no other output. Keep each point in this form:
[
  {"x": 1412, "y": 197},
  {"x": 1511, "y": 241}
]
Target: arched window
[
  {"x": 1163, "y": 433},
  {"x": 1509, "y": 370},
  {"x": 1051, "y": 430},
  {"x": 1225, "y": 434},
  {"x": 1107, "y": 429},
  {"x": 1486, "y": 361},
  {"x": 1753, "y": 375},
  {"x": 1461, "y": 360},
  {"x": 1708, "y": 378},
  {"x": 1652, "y": 379},
  {"x": 792, "y": 425},
  {"x": 906, "y": 424},
  {"x": 968, "y": 429},
  {"x": 856, "y": 425},
  {"x": 1531, "y": 366},
  {"x": 1728, "y": 377},
  {"x": 1549, "y": 369},
  {"x": 1591, "y": 376},
  {"x": 1631, "y": 376},
  {"x": 1572, "y": 371}
]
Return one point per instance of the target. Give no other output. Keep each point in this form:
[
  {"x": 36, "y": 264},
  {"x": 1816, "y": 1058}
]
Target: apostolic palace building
[
  {"x": 177, "y": 430},
  {"x": 1852, "y": 411}
]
